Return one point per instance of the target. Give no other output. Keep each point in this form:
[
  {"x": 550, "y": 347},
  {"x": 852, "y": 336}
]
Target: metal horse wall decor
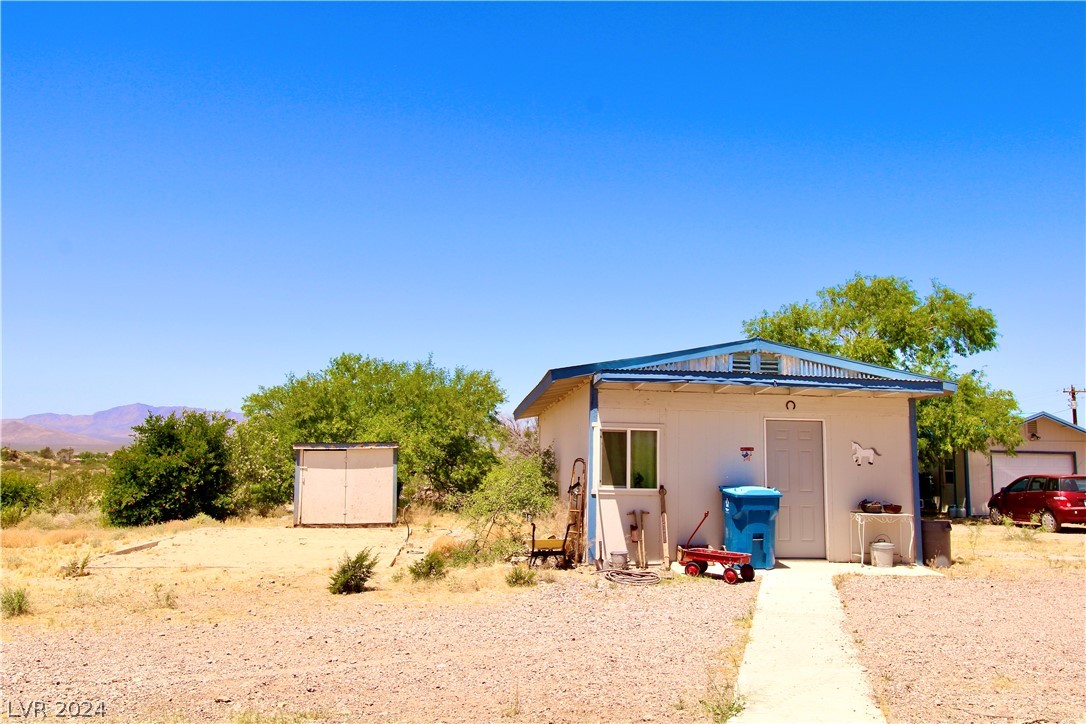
[{"x": 859, "y": 454}]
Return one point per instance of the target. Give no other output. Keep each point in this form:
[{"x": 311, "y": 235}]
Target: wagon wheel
[
  {"x": 693, "y": 569},
  {"x": 746, "y": 572},
  {"x": 731, "y": 576},
  {"x": 704, "y": 566}
]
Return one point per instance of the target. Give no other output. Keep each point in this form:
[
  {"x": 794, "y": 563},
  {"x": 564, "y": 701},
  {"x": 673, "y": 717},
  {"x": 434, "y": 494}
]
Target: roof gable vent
[
  {"x": 769, "y": 364},
  {"x": 740, "y": 363}
]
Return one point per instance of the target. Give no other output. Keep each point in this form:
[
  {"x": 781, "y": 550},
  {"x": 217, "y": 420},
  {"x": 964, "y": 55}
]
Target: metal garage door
[{"x": 1005, "y": 468}]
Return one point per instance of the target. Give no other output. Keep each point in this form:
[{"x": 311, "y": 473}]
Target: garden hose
[{"x": 633, "y": 578}]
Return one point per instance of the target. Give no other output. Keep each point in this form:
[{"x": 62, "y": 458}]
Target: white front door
[{"x": 794, "y": 467}]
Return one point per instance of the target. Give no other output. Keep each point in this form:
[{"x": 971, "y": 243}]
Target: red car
[{"x": 1056, "y": 500}]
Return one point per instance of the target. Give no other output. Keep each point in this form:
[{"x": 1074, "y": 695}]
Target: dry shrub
[
  {"x": 64, "y": 537},
  {"x": 445, "y": 545},
  {"x": 21, "y": 537}
]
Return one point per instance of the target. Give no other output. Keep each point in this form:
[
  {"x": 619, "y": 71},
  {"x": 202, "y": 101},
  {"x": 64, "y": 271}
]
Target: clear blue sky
[{"x": 200, "y": 198}]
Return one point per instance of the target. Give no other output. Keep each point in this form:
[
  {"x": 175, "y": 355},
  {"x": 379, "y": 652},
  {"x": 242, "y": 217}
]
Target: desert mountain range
[{"x": 106, "y": 430}]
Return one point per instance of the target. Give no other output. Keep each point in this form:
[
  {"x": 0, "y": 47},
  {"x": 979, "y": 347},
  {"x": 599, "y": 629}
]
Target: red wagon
[{"x": 695, "y": 561}]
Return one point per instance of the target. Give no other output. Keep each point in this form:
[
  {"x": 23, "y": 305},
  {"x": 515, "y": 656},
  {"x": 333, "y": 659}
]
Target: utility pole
[{"x": 1074, "y": 403}]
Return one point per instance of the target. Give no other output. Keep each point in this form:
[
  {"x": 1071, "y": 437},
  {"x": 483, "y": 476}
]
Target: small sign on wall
[{"x": 746, "y": 453}]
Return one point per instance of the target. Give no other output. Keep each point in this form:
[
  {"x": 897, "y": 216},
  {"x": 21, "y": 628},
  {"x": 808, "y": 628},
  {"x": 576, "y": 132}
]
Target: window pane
[
  {"x": 643, "y": 458},
  {"x": 1073, "y": 485},
  {"x": 614, "y": 458},
  {"x": 1017, "y": 485}
]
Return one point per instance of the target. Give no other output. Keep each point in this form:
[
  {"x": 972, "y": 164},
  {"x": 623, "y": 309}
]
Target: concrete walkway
[{"x": 800, "y": 664}]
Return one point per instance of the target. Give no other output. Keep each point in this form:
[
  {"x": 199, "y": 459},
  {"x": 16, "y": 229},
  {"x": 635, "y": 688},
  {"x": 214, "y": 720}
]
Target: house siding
[
  {"x": 699, "y": 451},
  {"x": 564, "y": 427}
]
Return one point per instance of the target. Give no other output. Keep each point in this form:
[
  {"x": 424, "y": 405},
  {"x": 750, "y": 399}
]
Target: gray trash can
[{"x": 936, "y": 535}]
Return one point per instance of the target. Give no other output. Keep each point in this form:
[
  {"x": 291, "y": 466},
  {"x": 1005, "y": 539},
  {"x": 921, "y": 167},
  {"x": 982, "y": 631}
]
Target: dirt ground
[
  {"x": 1000, "y": 638},
  {"x": 235, "y": 623}
]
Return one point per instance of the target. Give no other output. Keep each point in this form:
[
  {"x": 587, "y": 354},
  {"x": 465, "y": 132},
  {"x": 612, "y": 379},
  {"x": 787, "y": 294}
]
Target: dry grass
[
  {"x": 982, "y": 550},
  {"x": 195, "y": 573},
  {"x": 721, "y": 702}
]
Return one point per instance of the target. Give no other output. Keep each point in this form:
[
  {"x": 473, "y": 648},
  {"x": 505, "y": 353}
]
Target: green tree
[
  {"x": 176, "y": 468},
  {"x": 884, "y": 321},
  {"x": 443, "y": 421},
  {"x": 264, "y": 476}
]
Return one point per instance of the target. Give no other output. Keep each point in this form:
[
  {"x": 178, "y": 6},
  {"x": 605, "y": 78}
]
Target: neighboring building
[
  {"x": 1049, "y": 445},
  {"x": 744, "y": 413},
  {"x": 345, "y": 484}
]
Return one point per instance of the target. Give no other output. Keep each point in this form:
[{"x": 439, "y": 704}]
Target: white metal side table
[{"x": 862, "y": 519}]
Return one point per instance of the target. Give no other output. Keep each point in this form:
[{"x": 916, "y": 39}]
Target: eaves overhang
[
  {"x": 1058, "y": 420},
  {"x": 559, "y": 382},
  {"x": 773, "y": 384}
]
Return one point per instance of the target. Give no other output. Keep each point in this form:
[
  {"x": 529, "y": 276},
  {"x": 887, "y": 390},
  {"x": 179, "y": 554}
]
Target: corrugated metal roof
[
  {"x": 341, "y": 445},
  {"x": 786, "y": 384},
  {"x": 814, "y": 368}
]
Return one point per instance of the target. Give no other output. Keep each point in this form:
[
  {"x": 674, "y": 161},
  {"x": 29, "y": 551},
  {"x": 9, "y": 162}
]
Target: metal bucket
[
  {"x": 882, "y": 555},
  {"x": 619, "y": 561}
]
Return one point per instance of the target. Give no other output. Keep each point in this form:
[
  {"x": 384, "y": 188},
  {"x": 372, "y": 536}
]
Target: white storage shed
[{"x": 345, "y": 484}]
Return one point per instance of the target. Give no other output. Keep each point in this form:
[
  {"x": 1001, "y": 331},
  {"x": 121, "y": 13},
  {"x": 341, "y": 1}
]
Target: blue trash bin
[{"x": 750, "y": 522}]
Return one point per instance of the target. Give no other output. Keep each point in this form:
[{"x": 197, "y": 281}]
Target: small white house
[
  {"x": 345, "y": 484},
  {"x": 1049, "y": 445},
  {"x": 743, "y": 413}
]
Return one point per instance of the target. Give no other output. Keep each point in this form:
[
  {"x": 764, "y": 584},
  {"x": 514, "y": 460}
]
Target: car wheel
[
  {"x": 1049, "y": 524},
  {"x": 995, "y": 516}
]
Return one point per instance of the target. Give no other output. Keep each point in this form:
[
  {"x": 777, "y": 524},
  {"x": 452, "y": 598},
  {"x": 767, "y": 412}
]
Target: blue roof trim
[
  {"x": 746, "y": 345},
  {"x": 1053, "y": 418},
  {"x": 749, "y": 380}
]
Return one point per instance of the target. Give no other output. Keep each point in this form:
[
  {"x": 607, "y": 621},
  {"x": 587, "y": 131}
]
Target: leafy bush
[
  {"x": 11, "y": 515},
  {"x": 465, "y": 554},
  {"x": 14, "y": 602},
  {"x": 431, "y": 567},
  {"x": 20, "y": 494},
  {"x": 176, "y": 468},
  {"x": 353, "y": 573},
  {"x": 19, "y": 489},
  {"x": 76, "y": 491},
  {"x": 262, "y": 468},
  {"x": 520, "y": 576},
  {"x": 515, "y": 488}
]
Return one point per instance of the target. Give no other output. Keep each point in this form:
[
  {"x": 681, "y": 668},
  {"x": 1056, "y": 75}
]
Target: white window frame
[{"x": 629, "y": 457}]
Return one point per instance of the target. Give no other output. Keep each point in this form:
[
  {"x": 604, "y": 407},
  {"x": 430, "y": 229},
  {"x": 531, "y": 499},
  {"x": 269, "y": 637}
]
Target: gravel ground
[
  {"x": 578, "y": 649},
  {"x": 973, "y": 649}
]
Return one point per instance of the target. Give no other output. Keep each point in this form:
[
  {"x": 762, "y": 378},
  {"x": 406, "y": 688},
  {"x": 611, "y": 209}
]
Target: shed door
[
  {"x": 1006, "y": 468},
  {"x": 371, "y": 489},
  {"x": 794, "y": 467},
  {"x": 324, "y": 487}
]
